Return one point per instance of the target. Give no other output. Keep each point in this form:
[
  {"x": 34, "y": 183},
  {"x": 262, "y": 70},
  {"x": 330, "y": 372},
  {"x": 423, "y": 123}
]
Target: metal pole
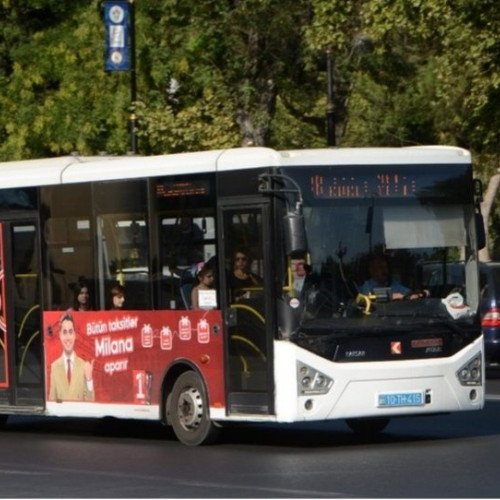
[
  {"x": 330, "y": 115},
  {"x": 133, "y": 82}
]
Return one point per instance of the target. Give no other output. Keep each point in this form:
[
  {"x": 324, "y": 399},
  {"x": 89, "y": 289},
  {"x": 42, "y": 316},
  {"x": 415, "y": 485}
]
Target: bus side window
[
  {"x": 123, "y": 242},
  {"x": 185, "y": 242},
  {"x": 67, "y": 232},
  {"x": 124, "y": 258},
  {"x": 184, "y": 207}
]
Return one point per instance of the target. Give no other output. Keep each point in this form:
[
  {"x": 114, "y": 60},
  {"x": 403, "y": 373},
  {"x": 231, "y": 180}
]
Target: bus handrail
[{"x": 251, "y": 309}]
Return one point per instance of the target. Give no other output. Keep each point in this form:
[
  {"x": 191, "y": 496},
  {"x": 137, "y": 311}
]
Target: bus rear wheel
[
  {"x": 188, "y": 411},
  {"x": 368, "y": 427}
]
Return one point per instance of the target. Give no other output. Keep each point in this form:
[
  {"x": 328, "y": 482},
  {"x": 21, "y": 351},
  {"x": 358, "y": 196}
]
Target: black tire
[
  {"x": 368, "y": 427},
  {"x": 188, "y": 411},
  {"x": 3, "y": 419}
]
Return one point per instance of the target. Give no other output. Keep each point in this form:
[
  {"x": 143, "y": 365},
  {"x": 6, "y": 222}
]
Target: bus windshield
[{"x": 373, "y": 235}]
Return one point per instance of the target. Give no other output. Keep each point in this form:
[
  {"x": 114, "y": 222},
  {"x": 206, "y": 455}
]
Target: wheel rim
[{"x": 190, "y": 408}]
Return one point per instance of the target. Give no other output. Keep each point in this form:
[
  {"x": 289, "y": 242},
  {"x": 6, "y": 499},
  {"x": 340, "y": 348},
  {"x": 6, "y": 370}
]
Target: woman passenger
[
  {"x": 81, "y": 296},
  {"x": 241, "y": 278}
]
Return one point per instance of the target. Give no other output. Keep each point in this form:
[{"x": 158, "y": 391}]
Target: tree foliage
[{"x": 222, "y": 73}]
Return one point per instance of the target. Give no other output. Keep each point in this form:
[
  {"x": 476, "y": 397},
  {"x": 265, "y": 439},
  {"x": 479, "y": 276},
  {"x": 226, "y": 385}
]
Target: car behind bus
[
  {"x": 489, "y": 277},
  {"x": 490, "y": 310}
]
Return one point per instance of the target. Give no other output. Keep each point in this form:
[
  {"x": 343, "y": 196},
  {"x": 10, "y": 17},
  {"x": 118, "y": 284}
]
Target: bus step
[
  {"x": 249, "y": 403},
  {"x": 21, "y": 410}
]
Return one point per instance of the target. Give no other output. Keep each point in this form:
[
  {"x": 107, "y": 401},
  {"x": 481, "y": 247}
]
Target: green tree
[
  {"x": 217, "y": 70},
  {"x": 58, "y": 98},
  {"x": 428, "y": 72},
  {"x": 224, "y": 73}
]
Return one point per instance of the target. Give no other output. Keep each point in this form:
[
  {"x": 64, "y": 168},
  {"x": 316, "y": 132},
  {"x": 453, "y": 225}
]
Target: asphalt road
[{"x": 440, "y": 457}]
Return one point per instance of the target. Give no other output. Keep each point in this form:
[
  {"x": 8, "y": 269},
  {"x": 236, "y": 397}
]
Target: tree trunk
[
  {"x": 486, "y": 205},
  {"x": 254, "y": 118}
]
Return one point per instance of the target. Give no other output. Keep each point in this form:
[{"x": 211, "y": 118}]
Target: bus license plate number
[{"x": 395, "y": 399}]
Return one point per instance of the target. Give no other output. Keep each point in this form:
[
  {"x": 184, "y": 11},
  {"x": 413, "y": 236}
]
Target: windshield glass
[{"x": 373, "y": 249}]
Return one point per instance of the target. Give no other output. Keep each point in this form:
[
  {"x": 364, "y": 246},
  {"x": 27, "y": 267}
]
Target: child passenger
[{"x": 205, "y": 278}]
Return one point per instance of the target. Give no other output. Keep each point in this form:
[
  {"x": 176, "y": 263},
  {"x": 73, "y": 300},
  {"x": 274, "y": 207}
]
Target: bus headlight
[
  {"x": 471, "y": 373},
  {"x": 312, "y": 381}
]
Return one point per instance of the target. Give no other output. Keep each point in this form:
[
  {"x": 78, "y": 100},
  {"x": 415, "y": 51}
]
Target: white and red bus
[{"x": 296, "y": 338}]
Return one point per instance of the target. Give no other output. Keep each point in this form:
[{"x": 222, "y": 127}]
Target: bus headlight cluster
[
  {"x": 312, "y": 381},
  {"x": 471, "y": 373}
]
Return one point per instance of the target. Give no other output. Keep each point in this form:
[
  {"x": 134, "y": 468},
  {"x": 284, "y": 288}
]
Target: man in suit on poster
[{"x": 70, "y": 375}]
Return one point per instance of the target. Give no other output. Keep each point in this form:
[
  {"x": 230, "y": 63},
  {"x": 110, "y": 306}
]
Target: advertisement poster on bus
[{"x": 121, "y": 357}]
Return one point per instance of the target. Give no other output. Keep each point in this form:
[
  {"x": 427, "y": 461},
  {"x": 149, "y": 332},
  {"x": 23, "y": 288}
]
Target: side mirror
[
  {"x": 295, "y": 233},
  {"x": 293, "y": 222}
]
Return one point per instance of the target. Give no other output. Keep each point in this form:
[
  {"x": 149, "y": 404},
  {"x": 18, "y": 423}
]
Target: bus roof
[{"x": 74, "y": 169}]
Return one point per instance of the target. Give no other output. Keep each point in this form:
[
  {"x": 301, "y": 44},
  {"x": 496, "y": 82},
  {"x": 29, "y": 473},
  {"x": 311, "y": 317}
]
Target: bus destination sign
[
  {"x": 384, "y": 185},
  {"x": 182, "y": 188}
]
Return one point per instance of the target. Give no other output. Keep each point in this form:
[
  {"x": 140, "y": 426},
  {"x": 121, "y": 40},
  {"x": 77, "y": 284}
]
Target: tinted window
[
  {"x": 67, "y": 229},
  {"x": 123, "y": 242},
  {"x": 21, "y": 198},
  {"x": 185, "y": 211}
]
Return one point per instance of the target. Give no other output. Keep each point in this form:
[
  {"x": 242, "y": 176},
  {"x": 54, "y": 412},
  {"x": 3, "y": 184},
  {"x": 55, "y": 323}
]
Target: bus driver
[{"x": 379, "y": 277}]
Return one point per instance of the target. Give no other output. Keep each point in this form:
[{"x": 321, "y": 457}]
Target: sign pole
[
  {"x": 133, "y": 82},
  {"x": 330, "y": 110},
  {"x": 119, "y": 21}
]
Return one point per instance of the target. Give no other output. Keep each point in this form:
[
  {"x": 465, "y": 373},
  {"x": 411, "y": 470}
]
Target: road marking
[
  {"x": 233, "y": 487},
  {"x": 23, "y": 472},
  {"x": 177, "y": 482}
]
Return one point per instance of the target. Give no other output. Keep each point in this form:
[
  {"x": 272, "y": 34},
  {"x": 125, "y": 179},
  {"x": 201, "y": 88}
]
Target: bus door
[
  {"x": 21, "y": 365},
  {"x": 246, "y": 299}
]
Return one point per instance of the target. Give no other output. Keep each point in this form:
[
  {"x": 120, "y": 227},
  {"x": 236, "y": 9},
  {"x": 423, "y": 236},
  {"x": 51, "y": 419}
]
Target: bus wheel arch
[{"x": 185, "y": 406}]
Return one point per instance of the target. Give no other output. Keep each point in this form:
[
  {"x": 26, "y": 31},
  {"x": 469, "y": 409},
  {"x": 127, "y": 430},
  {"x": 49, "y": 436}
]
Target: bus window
[
  {"x": 185, "y": 243},
  {"x": 68, "y": 235},
  {"x": 123, "y": 242},
  {"x": 245, "y": 263},
  {"x": 124, "y": 258},
  {"x": 185, "y": 210}
]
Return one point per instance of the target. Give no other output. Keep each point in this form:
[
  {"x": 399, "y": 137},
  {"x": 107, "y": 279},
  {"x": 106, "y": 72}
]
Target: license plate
[{"x": 395, "y": 399}]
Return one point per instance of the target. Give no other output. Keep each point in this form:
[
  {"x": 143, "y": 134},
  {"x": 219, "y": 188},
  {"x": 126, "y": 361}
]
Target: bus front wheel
[
  {"x": 368, "y": 427},
  {"x": 188, "y": 411}
]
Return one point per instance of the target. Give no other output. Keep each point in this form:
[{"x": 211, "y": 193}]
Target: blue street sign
[{"x": 117, "y": 43}]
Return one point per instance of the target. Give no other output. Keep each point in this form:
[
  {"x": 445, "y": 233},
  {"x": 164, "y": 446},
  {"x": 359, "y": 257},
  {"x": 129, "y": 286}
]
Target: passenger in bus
[
  {"x": 70, "y": 375},
  {"x": 305, "y": 284},
  {"x": 205, "y": 277},
  {"x": 117, "y": 296},
  {"x": 81, "y": 295},
  {"x": 300, "y": 271},
  {"x": 378, "y": 268},
  {"x": 242, "y": 277}
]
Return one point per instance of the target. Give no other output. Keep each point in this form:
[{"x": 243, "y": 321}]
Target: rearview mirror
[
  {"x": 480, "y": 231},
  {"x": 295, "y": 233}
]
